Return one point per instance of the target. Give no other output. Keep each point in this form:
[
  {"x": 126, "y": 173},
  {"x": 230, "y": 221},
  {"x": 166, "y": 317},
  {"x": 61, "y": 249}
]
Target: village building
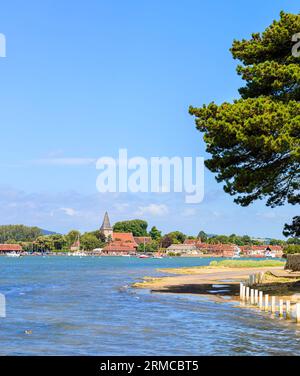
[
  {"x": 185, "y": 249},
  {"x": 262, "y": 250},
  {"x": 7, "y": 248},
  {"x": 122, "y": 242},
  {"x": 219, "y": 250},
  {"x": 118, "y": 242}
]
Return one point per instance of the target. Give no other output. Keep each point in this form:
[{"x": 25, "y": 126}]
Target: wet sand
[{"x": 222, "y": 282}]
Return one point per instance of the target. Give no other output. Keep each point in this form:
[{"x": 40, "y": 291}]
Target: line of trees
[{"x": 32, "y": 238}]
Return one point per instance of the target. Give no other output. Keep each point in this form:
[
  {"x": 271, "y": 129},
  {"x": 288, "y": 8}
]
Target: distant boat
[
  {"x": 126, "y": 255},
  {"x": 77, "y": 254},
  {"x": 13, "y": 254},
  {"x": 144, "y": 256},
  {"x": 157, "y": 257}
]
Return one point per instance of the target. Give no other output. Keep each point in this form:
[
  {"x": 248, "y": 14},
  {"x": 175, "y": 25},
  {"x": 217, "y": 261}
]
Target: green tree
[
  {"x": 89, "y": 242},
  {"x": 59, "y": 242},
  {"x": 293, "y": 248},
  {"x": 166, "y": 241},
  {"x": 202, "y": 236},
  {"x": 177, "y": 237},
  {"x": 293, "y": 229},
  {"x": 254, "y": 141},
  {"x": 138, "y": 227},
  {"x": 149, "y": 247},
  {"x": 293, "y": 241},
  {"x": 18, "y": 233},
  {"x": 155, "y": 233},
  {"x": 44, "y": 244},
  {"x": 99, "y": 235},
  {"x": 72, "y": 236}
]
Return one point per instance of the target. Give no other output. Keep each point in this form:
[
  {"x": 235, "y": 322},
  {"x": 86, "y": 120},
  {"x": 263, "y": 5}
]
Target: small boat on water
[
  {"x": 144, "y": 256},
  {"x": 77, "y": 254},
  {"x": 13, "y": 254}
]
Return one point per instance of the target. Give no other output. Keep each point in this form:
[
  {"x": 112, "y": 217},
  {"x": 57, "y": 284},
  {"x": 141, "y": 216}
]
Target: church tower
[{"x": 106, "y": 228}]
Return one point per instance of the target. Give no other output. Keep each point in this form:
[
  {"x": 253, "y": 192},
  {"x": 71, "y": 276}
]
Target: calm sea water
[{"x": 85, "y": 306}]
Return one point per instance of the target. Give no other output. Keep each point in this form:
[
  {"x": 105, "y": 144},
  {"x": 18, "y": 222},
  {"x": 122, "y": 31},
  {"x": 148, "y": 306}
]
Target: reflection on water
[{"x": 72, "y": 306}]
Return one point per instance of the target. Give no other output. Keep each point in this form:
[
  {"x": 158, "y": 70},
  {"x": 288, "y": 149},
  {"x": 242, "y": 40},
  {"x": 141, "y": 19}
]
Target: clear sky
[{"x": 83, "y": 79}]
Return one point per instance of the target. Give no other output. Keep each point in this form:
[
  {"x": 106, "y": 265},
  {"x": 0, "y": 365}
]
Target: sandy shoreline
[{"x": 220, "y": 282}]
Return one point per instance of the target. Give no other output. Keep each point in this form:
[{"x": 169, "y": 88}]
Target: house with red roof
[
  {"x": 7, "y": 248},
  {"x": 122, "y": 242}
]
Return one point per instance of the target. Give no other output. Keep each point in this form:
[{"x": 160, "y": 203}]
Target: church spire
[
  {"x": 106, "y": 223},
  {"x": 106, "y": 228}
]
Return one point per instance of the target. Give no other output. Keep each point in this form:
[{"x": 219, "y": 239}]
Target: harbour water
[{"x": 85, "y": 306}]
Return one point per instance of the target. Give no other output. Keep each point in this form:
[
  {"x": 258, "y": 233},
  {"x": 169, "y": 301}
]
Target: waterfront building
[
  {"x": 185, "y": 249},
  {"x": 122, "y": 242},
  {"x": 7, "y": 248}
]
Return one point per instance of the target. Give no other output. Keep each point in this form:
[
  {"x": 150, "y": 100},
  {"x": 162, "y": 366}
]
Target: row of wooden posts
[{"x": 257, "y": 298}]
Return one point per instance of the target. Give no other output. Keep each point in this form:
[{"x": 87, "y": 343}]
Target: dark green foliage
[
  {"x": 18, "y": 233},
  {"x": 202, "y": 236},
  {"x": 89, "y": 241},
  {"x": 293, "y": 229},
  {"x": 155, "y": 233},
  {"x": 138, "y": 227},
  {"x": 291, "y": 249},
  {"x": 177, "y": 237},
  {"x": 149, "y": 247},
  {"x": 254, "y": 142}
]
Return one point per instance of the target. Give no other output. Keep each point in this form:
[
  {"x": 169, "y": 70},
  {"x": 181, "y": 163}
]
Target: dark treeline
[{"x": 18, "y": 233}]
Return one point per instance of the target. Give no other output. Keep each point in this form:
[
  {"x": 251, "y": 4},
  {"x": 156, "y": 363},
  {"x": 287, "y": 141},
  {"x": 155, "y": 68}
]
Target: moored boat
[{"x": 13, "y": 254}]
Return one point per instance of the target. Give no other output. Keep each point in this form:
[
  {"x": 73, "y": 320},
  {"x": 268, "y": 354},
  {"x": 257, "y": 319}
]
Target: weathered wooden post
[
  {"x": 244, "y": 293},
  {"x": 280, "y": 307},
  {"x": 247, "y": 293},
  {"x": 261, "y": 277},
  {"x": 266, "y": 302},
  {"x": 273, "y": 304},
  {"x": 241, "y": 290},
  {"x": 261, "y": 302},
  {"x": 252, "y": 296},
  {"x": 288, "y": 309},
  {"x": 298, "y": 313},
  {"x": 256, "y": 297}
]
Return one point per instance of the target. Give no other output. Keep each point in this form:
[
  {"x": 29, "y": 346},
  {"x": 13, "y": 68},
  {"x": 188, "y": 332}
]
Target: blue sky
[{"x": 83, "y": 79}]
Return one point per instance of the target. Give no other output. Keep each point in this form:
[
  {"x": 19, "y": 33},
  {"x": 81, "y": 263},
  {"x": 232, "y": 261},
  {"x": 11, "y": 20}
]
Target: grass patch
[{"x": 246, "y": 263}]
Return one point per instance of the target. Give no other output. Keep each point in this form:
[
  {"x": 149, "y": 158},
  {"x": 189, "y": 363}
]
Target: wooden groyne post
[
  {"x": 261, "y": 302},
  {"x": 273, "y": 304},
  {"x": 280, "y": 307},
  {"x": 266, "y": 302},
  {"x": 288, "y": 309},
  {"x": 247, "y": 293},
  {"x": 298, "y": 313},
  {"x": 256, "y": 297}
]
